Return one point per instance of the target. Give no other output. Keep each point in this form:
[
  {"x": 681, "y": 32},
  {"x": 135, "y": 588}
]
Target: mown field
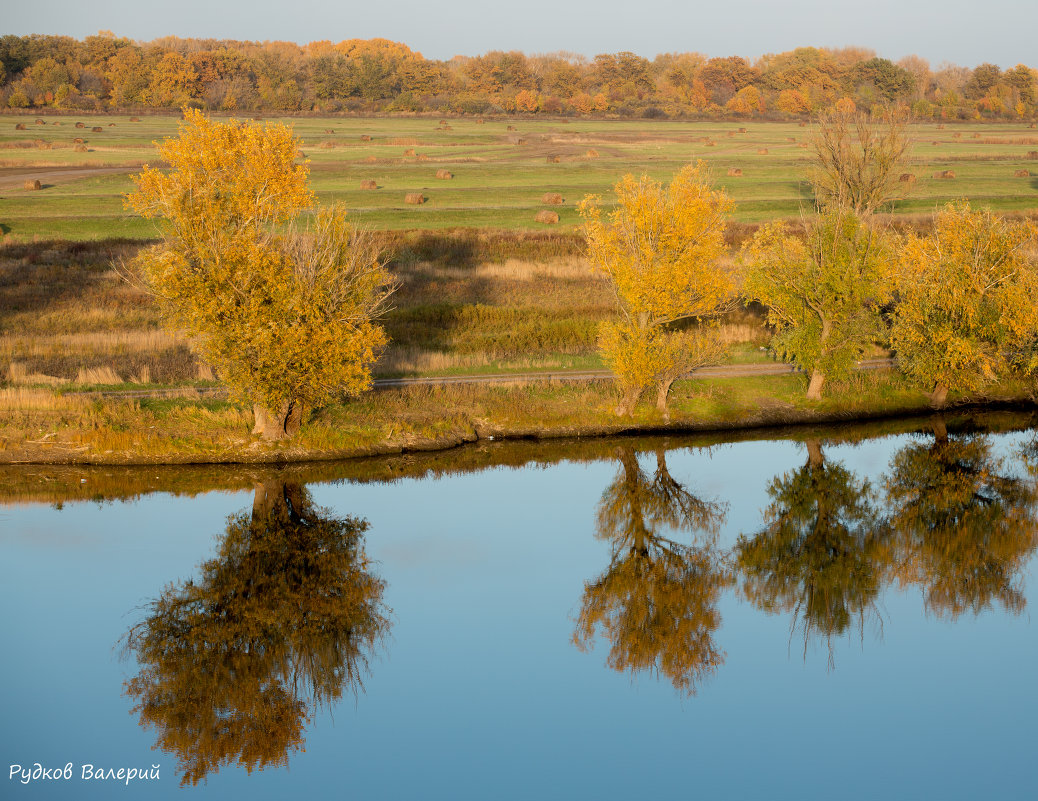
[{"x": 499, "y": 175}]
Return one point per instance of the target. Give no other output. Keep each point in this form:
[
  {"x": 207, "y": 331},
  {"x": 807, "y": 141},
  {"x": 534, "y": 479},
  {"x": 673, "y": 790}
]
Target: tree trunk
[
  {"x": 814, "y": 389},
  {"x": 279, "y": 424},
  {"x": 661, "y": 398},
  {"x": 939, "y": 395},
  {"x": 940, "y": 430},
  {"x": 627, "y": 402}
]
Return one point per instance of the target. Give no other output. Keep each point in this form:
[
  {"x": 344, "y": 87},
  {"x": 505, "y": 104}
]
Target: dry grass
[
  {"x": 18, "y": 399},
  {"x": 97, "y": 375},
  {"x": 19, "y": 374}
]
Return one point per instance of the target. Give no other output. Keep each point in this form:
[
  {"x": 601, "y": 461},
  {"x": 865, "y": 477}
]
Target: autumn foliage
[
  {"x": 282, "y": 310},
  {"x": 965, "y": 311},
  {"x": 661, "y": 250}
]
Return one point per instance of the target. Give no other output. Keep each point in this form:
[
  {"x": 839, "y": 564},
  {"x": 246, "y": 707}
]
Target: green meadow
[{"x": 499, "y": 175}]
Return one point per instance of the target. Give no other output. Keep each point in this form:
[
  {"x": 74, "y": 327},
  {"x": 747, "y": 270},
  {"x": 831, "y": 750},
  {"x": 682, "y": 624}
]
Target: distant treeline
[{"x": 105, "y": 72}]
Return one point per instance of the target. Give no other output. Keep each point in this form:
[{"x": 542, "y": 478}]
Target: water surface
[{"x": 839, "y": 613}]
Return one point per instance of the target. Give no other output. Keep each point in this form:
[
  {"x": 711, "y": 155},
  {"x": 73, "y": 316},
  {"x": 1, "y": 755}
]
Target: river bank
[{"x": 40, "y": 427}]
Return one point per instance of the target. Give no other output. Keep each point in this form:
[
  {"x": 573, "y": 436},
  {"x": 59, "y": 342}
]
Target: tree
[
  {"x": 657, "y": 601},
  {"x": 858, "y": 159},
  {"x": 823, "y": 291},
  {"x": 660, "y": 248},
  {"x": 284, "y": 315},
  {"x": 822, "y": 555},
  {"x": 965, "y": 308},
  {"x": 234, "y": 664}
]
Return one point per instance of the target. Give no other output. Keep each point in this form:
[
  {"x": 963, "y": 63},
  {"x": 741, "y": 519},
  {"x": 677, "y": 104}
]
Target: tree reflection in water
[
  {"x": 823, "y": 554},
  {"x": 281, "y": 622},
  {"x": 965, "y": 527},
  {"x": 657, "y": 602}
]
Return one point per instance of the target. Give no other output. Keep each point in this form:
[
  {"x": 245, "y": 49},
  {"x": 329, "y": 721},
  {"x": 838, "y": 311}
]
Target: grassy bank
[{"x": 45, "y": 427}]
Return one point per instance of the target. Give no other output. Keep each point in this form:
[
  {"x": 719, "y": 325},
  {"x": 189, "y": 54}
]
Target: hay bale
[
  {"x": 553, "y": 159},
  {"x": 546, "y": 217},
  {"x": 40, "y": 122},
  {"x": 365, "y": 138},
  {"x": 33, "y": 185},
  {"x": 444, "y": 175},
  {"x": 942, "y": 174},
  {"x": 791, "y": 138},
  {"x": 97, "y": 129},
  {"x": 55, "y": 123},
  {"x": 735, "y": 172},
  {"x": 20, "y": 126},
  {"x": 552, "y": 199},
  {"x": 368, "y": 184},
  {"x": 329, "y": 130},
  {"x": 934, "y": 142},
  {"x": 710, "y": 143},
  {"x": 422, "y": 157},
  {"x": 409, "y": 151},
  {"x": 135, "y": 119},
  {"x": 1022, "y": 174},
  {"x": 510, "y": 128},
  {"x": 80, "y": 125},
  {"x": 78, "y": 140},
  {"x": 327, "y": 145},
  {"x": 81, "y": 149},
  {"x": 111, "y": 125},
  {"x": 762, "y": 151},
  {"x": 1033, "y": 125},
  {"x": 742, "y": 130},
  {"x": 371, "y": 159},
  {"x": 414, "y": 198},
  {"x": 906, "y": 178},
  {"x": 443, "y": 122},
  {"x": 446, "y": 128},
  {"x": 731, "y": 133},
  {"x": 940, "y": 127},
  {"x": 591, "y": 153}
]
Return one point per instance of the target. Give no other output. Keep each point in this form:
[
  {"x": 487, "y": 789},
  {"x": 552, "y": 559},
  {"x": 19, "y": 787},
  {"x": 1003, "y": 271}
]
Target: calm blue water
[{"x": 477, "y": 690}]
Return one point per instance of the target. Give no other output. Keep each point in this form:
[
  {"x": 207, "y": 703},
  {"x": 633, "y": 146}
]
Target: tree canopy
[
  {"x": 282, "y": 308},
  {"x": 661, "y": 249}
]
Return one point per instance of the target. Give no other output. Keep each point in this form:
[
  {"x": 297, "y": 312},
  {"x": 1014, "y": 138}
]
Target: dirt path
[
  {"x": 722, "y": 371},
  {"x": 14, "y": 177}
]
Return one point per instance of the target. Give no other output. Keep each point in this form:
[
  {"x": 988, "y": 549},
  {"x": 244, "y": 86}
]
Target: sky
[{"x": 963, "y": 32}]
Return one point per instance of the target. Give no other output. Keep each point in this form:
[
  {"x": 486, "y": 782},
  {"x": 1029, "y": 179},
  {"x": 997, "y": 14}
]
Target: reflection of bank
[
  {"x": 656, "y": 604},
  {"x": 282, "y": 621},
  {"x": 824, "y": 551},
  {"x": 965, "y": 526}
]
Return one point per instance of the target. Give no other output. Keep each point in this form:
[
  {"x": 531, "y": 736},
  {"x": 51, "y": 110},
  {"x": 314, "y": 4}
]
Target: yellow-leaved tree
[
  {"x": 966, "y": 309},
  {"x": 285, "y": 311},
  {"x": 661, "y": 248}
]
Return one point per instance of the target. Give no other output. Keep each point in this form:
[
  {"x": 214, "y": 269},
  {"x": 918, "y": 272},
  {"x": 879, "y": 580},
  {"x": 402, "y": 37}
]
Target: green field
[{"x": 498, "y": 182}]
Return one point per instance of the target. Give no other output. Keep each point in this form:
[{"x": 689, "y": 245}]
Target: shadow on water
[{"x": 234, "y": 664}]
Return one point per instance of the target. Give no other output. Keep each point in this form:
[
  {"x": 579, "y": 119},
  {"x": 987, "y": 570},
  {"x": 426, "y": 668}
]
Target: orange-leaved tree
[
  {"x": 661, "y": 248},
  {"x": 283, "y": 310},
  {"x": 966, "y": 312}
]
